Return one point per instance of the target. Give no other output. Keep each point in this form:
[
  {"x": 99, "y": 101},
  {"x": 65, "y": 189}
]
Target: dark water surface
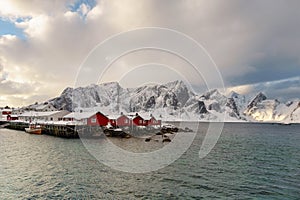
[{"x": 250, "y": 161}]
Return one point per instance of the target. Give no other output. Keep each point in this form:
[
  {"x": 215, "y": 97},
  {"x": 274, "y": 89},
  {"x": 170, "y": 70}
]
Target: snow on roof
[
  {"x": 80, "y": 115},
  {"x": 6, "y": 110},
  {"x": 145, "y": 116},
  {"x": 38, "y": 114},
  {"x": 130, "y": 116},
  {"x": 113, "y": 116}
]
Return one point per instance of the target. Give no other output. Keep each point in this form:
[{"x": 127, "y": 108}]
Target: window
[
  {"x": 126, "y": 121},
  {"x": 93, "y": 120},
  {"x": 140, "y": 121}
]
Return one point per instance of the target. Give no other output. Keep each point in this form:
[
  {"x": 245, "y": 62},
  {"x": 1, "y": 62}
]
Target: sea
[{"x": 248, "y": 161}]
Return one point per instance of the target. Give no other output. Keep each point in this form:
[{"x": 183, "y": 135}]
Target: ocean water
[{"x": 250, "y": 161}]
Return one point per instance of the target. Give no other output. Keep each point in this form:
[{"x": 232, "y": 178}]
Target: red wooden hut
[
  {"x": 154, "y": 122},
  {"x": 88, "y": 118},
  {"x": 120, "y": 120},
  {"x": 98, "y": 119},
  {"x": 6, "y": 112},
  {"x": 139, "y": 121},
  {"x": 12, "y": 117},
  {"x": 124, "y": 120}
]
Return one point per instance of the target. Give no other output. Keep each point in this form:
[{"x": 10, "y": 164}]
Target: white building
[
  {"x": 4, "y": 113},
  {"x": 43, "y": 116}
]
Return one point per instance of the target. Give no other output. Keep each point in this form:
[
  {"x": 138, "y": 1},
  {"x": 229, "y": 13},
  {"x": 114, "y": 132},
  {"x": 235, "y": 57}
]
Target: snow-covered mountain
[{"x": 175, "y": 101}]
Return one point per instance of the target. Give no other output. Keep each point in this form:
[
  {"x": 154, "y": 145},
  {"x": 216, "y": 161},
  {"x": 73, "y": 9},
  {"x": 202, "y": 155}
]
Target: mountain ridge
[{"x": 175, "y": 101}]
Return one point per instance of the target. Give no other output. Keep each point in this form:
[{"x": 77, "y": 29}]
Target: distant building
[
  {"x": 17, "y": 111},
  {"x": 88, "y": 118},
  {"x": 4, "y": 113},
  {"x": 133, "y": 119},
  {"x": 99, "y": 119},
  {"x": 12, "y": 117},
  {"x": 139, "y": 121},
  {"x": 153, "y": 122},
  {"x": 43, "y": 116},
  {"x": 150, "y": 120},
  {"x": 124, "y": 120},
  {"x": 120, "y": 120}
]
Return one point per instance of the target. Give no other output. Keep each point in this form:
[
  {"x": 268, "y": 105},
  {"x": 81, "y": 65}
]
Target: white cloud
[
  {"x": 95, "y": 12},
  {"x": 240, "y": 36},
  {"x": 14, "y": 9},
  {"x": 34, "y": 27}
]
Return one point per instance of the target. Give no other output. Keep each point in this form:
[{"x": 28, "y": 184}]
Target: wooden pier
[
  {"x": 58, "y": 130},
  {"x": 82, "y": 131},
  {"x": 65, "y": 131}
]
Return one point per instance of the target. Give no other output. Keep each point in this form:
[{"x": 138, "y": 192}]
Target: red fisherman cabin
[
  {"x": 6, "y": 112},
  {"x": 153, "y": 122},
  {"x": 139, "y": 121},
  {"x": 12, "y": 117},
  {"x": 89, "y": 118},
  {"x": 97, "y": 119},
  {"x": 123, "y": 120},
  {"x": 120, "y": 121}
]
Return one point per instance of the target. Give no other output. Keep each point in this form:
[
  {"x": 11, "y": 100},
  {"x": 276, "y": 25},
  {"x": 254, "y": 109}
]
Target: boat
[
  {"x": 285, "y": 124},
  {"x": 34, "y": 129}
]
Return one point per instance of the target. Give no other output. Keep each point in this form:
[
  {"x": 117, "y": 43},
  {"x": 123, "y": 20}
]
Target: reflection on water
[{"x": 249, "y": 161}]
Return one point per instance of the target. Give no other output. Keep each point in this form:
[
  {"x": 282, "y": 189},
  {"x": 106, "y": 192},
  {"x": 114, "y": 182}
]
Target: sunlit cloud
[{"x": 253, "y": 48}]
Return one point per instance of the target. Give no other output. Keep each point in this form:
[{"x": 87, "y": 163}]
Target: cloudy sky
[{"x": 255, "y": 44}]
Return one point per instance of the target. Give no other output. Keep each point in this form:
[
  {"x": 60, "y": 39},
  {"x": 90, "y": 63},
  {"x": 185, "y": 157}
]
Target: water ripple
[{"x": 250, "y": 161}]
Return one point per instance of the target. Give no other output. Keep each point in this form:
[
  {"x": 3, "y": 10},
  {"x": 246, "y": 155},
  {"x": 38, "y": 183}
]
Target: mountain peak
[
  {"x": 67, "y": 90},
  {"x": 177, "y": 83},
  {"x": 259, "y": 97},
  {"x": 212, "y": 94},
  {"x": 110, "y": 84},
  {"x": 234, "y": 94}
]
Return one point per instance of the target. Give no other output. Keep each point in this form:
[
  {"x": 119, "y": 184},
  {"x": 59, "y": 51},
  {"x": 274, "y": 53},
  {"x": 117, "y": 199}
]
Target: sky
[{"x": 44, "y": 44}]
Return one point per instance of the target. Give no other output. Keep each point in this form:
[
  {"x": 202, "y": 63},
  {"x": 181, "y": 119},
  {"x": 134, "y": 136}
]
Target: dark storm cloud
[
  {"x": 283, "y": 90},
  {"x": 271, "y": 69}
]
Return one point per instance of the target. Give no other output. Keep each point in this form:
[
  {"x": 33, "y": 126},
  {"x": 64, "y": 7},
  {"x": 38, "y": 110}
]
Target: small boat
[
  {"x": 285, "y": 124},
  {"x": 34, "y": 129}
]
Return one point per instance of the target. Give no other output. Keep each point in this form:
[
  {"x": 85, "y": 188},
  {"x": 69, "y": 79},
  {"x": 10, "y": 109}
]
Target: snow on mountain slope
[
  {"x": 266, "y": 110},
  {"x": 294, "y": 112},
  {"x": 174, "y": 101}
]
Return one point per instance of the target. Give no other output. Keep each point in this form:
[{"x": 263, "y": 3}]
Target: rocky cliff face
[
  {"x": 257, "y": 99},
  {"x": 175, "y": 101}
]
